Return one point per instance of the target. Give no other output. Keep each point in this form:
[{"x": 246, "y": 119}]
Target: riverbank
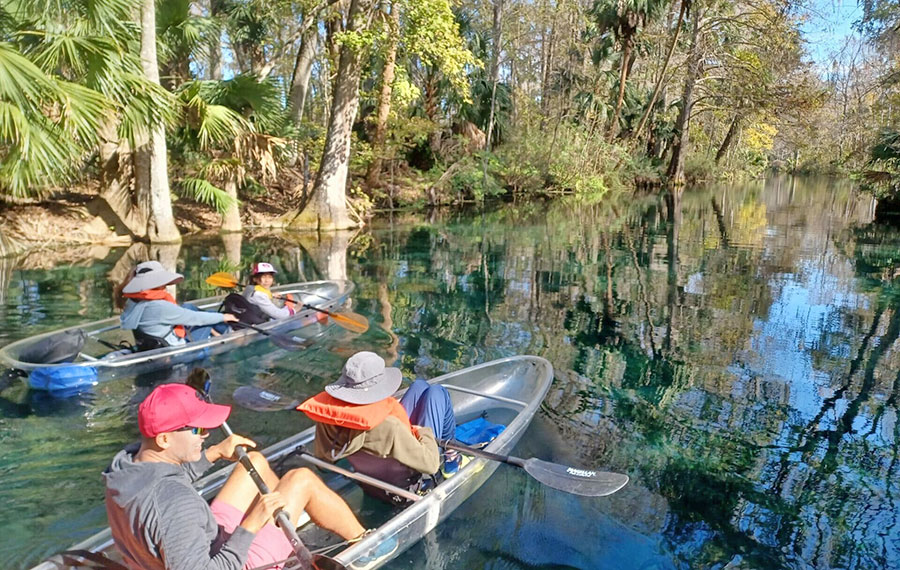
[{"x": 77, "y": 216}]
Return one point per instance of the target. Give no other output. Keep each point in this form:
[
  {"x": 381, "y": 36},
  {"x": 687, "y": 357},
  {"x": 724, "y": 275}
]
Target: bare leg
[
  {"x": 239, "y": 490},
  {"x": 303, "y": 490}
]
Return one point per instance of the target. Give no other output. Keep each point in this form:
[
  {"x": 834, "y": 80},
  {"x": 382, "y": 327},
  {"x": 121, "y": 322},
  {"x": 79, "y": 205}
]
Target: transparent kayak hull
[
  {"x": 104, "y": 363},
  {"x": 511, "y": 387}
]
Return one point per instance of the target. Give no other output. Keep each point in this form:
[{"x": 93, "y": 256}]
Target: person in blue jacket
[{"x": 153, "y": 313}]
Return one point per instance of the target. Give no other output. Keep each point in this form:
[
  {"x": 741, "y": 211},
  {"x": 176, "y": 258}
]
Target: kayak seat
[
  {"x": 386, "y": 469},
  {"x": 144, "y": 341},
  {"x": 241, "y": 307}
]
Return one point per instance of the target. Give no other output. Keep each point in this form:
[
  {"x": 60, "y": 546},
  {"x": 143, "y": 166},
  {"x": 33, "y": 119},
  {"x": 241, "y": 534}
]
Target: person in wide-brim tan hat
[
  {"x": 358, "y": 413},
  {"x": 154, "y": 316}
]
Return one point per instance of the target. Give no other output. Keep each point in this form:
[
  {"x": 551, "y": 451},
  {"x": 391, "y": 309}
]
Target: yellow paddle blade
[
  {"x": 353, "y": 322},
  {"x": 223, "y": 280},
  {"x": 349, "y": 320}
]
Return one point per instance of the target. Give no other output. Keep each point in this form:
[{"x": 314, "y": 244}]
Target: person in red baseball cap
[
  {"x": 259, "y": 292},
  {"x": 158, "y": 520}
]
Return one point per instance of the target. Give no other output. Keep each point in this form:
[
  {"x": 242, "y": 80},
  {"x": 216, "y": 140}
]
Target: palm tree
[
  {"x": 65, "y": 67},
  {"x": 624, "y": 19}
]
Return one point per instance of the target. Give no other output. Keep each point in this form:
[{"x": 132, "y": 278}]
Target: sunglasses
[{"x": 193, "y": 430}]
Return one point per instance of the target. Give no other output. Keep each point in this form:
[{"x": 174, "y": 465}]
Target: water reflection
[{"x": 732, "y": 348}]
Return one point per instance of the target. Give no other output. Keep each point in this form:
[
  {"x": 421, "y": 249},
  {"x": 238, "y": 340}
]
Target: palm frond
[
  {"x": 82, "y": 112},
  {"x": 214, "y": 124},
  {"x": 21, "y": 81},
  {"x": 70, "y": 53},
  {"x": 258, "y": 101},
  {"x": 33, "y": 153},
  {"x": 204, "y": 191},
  {"x": 141, "y": 104},
  {"x": 224, "y": 169}
]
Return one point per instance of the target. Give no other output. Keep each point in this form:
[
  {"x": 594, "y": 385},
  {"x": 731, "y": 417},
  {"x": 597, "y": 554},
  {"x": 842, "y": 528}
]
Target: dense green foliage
[{"x": 575, "y": 96}]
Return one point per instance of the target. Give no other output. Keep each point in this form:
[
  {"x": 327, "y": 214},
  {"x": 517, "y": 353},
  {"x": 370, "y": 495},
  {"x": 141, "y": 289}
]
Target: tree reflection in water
[{"x": 732, "y": 348}]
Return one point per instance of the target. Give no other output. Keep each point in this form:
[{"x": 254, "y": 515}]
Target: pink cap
[
  {"x": 170, "y": 407},
  {"x": 262, "y": 267}
]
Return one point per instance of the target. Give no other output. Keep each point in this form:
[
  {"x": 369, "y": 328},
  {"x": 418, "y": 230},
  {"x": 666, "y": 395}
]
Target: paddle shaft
[
  {"x": 200, "y": 381},
  {"x": 281, "y": 517},
  {"x": 486, "y": 454},
  {"x": 584, "y": 482},
  {"x": 358, "y": 325},
  {"x": 361, "y": 477},
  {"x": 282, "y": 340}
]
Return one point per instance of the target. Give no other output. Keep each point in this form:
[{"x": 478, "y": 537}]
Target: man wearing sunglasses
[{"x": 159, "y": 521}]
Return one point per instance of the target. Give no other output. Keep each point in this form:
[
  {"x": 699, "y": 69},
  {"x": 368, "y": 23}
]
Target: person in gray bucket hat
[
  {"x": 154, "y": 316},
  {"x": 357, "y": 417}
]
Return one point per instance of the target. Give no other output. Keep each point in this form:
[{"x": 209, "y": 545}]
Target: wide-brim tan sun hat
[
  {"x": 151, "y": 275},
  {"x": 365, "y": 380}
]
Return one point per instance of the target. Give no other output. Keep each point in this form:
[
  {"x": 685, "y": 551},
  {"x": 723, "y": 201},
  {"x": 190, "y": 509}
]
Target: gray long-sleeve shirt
[
  {"x": 266, "y": 304},
  {"x": 158, "y": 318},
  {"x": 159, "y": 522}
]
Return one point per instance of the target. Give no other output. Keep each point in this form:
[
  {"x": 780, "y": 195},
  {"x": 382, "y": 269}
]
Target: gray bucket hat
[
  {"x": 150, "y": 275},
  {"x": 365, "y": 380}
]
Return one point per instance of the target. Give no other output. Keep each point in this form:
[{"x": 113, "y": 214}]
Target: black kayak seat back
[
  {"x": 243, "y": 309},
  {"x": 144, "y": 341},
  {"x": 385, "y": 469},
  {"x": 63, "y": 346}
]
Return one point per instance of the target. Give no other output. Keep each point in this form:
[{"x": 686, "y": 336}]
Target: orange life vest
[
  {"x": 325, "y": 408},
  {"x": 158, "y": 295}
]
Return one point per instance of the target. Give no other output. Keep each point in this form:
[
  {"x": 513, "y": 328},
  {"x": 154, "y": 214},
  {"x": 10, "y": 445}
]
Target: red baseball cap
[{"x": 170, "y": 407}]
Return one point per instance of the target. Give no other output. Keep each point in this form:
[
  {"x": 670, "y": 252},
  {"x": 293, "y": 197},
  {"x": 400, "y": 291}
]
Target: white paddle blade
[{"x": 584, "y": 482}]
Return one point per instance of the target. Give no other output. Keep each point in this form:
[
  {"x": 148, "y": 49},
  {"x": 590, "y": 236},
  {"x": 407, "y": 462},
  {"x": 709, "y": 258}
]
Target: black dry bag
[
  {"x": 60, "y": 347},
  {"x": 244, "y": 310}
]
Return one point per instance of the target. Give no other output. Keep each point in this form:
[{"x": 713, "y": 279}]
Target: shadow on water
[{"x": 733, "y": 348}]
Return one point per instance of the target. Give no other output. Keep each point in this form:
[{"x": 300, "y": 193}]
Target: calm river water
[{"x": 734, "y": 353}]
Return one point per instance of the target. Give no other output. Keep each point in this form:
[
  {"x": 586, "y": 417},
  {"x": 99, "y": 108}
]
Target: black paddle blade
[
  {"x": 289, "y": 342},
  {"x": 584, "y": 482},
  {"x": 319, "y": 562},
  {"x": 325, "y": 563},
  {"x": 260, "y": 400},
  {"x": 285, "y": 341}
]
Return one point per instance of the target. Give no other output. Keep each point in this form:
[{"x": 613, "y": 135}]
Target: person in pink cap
[
  {"x": 258, "y": 292},
  {"x": 158, "y": 520}
]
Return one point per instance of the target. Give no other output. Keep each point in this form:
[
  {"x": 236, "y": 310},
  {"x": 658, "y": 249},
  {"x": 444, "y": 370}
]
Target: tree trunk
[
  {"x": 327, "y": 210},
  {"x": 130, "y": 209},
  {"x": 384, "y": 102},
  {"x": 232, "y": 243},
  {"x": 729, "y": 138},
  {"x": 547, "y": 51},
  {"x": 151, "y": 175},
  {"x": 231, "y": 219},
  {"x": 675, "y": 172},
  {"x": 302, "y": 72},
  {"x": 496, "y": 34},
  {"x": 430, "y": 103},
  {"x": 627, "y": 45},
  {"x": 662, "y": 74},
  {"x": 215, "y": 44}
]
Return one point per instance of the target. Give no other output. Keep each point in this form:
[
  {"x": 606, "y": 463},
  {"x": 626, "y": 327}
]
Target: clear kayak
[
  {"x": 103, "y": 355},
  {"x": 507, "y": 391}
]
